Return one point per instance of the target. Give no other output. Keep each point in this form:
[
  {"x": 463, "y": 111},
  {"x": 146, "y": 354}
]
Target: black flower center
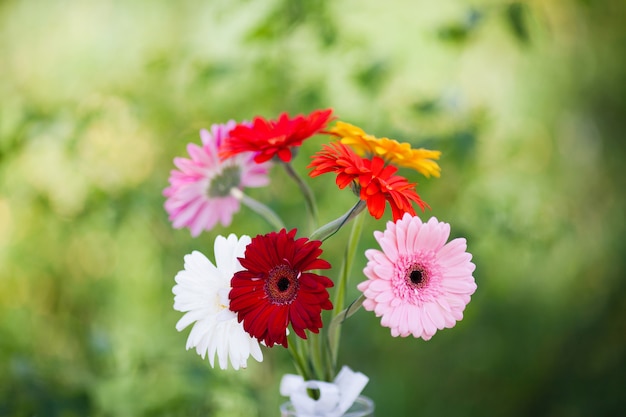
[
  {"x": 221, "y": 184},
  {"x": 417, "y": 276},
  {"x": 282, "y": 284}
]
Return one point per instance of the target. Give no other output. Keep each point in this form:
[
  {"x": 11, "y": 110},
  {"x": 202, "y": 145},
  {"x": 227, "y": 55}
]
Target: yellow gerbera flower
[{"x": 402, "y": 154}]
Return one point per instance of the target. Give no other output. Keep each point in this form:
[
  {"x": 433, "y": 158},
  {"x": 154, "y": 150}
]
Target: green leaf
[
  {"x": 372, "y": 77},
  {"x": 517, "y": 17}
]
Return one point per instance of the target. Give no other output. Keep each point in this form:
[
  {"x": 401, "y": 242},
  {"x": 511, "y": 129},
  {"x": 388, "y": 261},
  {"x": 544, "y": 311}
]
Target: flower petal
[
  {"x": 198, "y": 291},
  {"x": 417, "y": 304}
]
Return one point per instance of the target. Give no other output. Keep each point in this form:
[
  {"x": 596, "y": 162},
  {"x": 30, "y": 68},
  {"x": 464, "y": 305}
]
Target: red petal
[
  {"x": 376, "y": 205},
  {"x": 284, "y": 154}
]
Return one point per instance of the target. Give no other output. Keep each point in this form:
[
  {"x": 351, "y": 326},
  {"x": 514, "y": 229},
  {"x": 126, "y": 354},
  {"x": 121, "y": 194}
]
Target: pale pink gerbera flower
[
  {"x": 199, "y": 195},
  {"x": 418, "y": 283}
]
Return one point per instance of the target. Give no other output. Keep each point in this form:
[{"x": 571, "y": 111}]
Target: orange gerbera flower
[
  {"x": 391, "y": 150},
  {"x": 372, "y": 180}
]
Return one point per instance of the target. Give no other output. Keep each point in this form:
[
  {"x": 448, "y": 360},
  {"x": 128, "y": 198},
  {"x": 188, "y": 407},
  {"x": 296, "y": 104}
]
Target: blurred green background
[{"x": 526, "y": 100}]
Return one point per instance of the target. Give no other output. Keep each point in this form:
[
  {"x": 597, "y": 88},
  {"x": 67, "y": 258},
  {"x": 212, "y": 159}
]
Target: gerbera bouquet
[{"x": 270, "y": 289}]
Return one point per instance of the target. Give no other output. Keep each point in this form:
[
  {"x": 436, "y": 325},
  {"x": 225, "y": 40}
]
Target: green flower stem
[
  {"x": 261, "y": 209},
  {"x": 304, "y": 347},
  {"x": 299, "y": 353},
  {"x": 340, "y": 293},
  {"x": 324, "y": 347},
  {"x": 343, "y": 316},
  {"x": 331, "y": 228},
  {"x": 309, "y": 198},
  {"x": 318, "y": 361},
  {"x": 298, "y": 357}
]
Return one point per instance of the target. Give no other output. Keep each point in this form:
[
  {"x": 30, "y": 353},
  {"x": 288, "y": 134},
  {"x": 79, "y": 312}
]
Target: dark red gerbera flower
[
  {"x": 275, "y": 289},
  {"x": 374, "y": 181},
  {"x": 271, "y": 138}
]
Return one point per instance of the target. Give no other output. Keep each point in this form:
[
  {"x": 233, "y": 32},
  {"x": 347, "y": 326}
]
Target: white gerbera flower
[{"x": 201, "y": 292}]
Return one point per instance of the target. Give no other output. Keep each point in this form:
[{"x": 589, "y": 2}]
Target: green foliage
[
  {"x": 517, "y": 16},
  {"x": 460, "y": 31},
  {"x": 99, "y": 97}
]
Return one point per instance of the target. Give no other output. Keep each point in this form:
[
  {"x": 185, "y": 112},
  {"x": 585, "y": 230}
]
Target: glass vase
[{"x": 363, "y": 407}]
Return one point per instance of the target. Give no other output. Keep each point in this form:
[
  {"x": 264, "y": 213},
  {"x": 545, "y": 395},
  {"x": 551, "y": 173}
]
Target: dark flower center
[
  {"x": 281, "y": 285},
  {"x": 417, "y": 276},
  {"x": 221, "y": 184}
]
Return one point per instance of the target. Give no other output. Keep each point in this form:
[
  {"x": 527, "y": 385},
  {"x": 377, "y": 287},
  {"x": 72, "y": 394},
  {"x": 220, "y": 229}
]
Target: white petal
[{"x": 200, "y": 292}]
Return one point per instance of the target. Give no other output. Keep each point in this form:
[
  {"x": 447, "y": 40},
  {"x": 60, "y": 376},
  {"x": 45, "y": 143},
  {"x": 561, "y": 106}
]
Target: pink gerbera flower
[
  {"x": 199, "y": 195},
  {"x": 418, "y": 283}
]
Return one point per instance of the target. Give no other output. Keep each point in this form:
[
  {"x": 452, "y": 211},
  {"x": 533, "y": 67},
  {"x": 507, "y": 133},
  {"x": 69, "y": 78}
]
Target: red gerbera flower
[
  {"x": 271, "y": 138},
  {"x": 275, "y": 289},
  {"x": 384, "y": 186},
  {"x": 342, "y": 160},
  {"x": 374, "y": 181}
]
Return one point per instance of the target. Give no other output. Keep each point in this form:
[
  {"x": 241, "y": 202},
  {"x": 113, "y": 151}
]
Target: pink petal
[
  {"x": 389, "y": 247},
  {"x": 384, "y": 271},
  {"x": 384, "y": 297},
  {"x": 432, "y": 311}
]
